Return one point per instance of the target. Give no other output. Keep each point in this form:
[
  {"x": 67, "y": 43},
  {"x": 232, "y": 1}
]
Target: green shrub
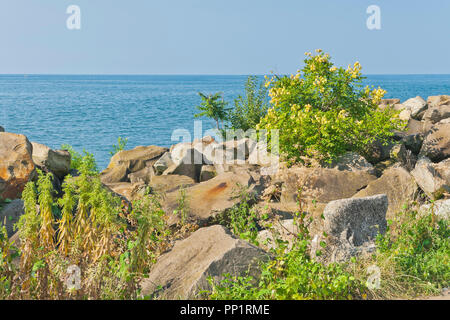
[
  {"x": 112, "y": 244},
  {"x": 250, "y": 108},
  {"x": 419, "y": 247},
  {"x": 86, "y": 161},
  {"x": 322, "y": 111},
  {"x": 213, "y": 106}
]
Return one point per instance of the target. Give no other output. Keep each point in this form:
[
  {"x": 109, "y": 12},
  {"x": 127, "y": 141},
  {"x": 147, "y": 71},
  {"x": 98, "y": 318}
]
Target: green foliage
[
  {"x": 322, "y": 111},
  {"x": 419, "y": 248},
  {"x": 250, "y": 108},
  {"x": 213, "y": 106},
  {"x": 182, "y": 210},
  {"x": 243, "y": 217},
  {"x": 292, "y": 274},
  {"x": 85, "y": 161},
  {"x": 121, "y": 145},
  {"x": 112, "y": 244}
]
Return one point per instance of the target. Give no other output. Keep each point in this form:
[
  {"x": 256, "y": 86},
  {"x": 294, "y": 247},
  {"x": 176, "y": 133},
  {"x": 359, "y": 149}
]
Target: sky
[{"x": 221, "y": 36}]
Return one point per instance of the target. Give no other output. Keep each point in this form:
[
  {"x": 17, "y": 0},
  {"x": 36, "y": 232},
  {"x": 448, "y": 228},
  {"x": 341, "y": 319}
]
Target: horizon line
[{"x": 197, "y": 74}]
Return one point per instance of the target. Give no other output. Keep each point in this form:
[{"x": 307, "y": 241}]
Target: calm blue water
[{"x": 90, "y": 112}]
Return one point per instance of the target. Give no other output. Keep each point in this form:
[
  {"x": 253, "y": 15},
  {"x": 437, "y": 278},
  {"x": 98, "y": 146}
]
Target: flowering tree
[{"x": 323, "y": 111}]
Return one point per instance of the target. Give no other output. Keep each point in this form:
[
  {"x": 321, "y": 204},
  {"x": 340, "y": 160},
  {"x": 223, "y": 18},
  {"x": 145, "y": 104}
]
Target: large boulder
[
  {"x": 16, "y": 164},
  {"x": 399, "y": 186},
  {"x": 416, "y": 106},
  {"x": 432, "y": 178},
  {"x": 10, "y": 214},
  {"x": 128, "y": 161},
  {"x": 2, "y": 129},
  {"x": 209, "y": 252},
  {"x": 208, "y": 199},
  {"x": 321, "y": 184},
  {"x": 351, "y": 226},
  {"x": 436, "y": 145},
  {"x": 55, "y": 161}
]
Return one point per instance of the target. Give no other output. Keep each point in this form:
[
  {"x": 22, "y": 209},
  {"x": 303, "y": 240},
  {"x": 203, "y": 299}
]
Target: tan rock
[
  {"x": 208, "y": 252},
  {"x": 163, "y": 184},
  {"x": 436, "y": 145},
  {"x": 417, "y": 106},
  {"x": 209, "y": 198},
  {"x": 322, "y": 184},
  {"x": 130, "y": 161},
  {"x": 207, "y": 173},
  {"x": 433, "y": 178},
  {"x": 16, "y": 164},
  {"x": 399, "y": 186},
  {"x": 435, "y": 101},
  {"x": 56, "y": 161},
  {"x": 130, "y": 191}
]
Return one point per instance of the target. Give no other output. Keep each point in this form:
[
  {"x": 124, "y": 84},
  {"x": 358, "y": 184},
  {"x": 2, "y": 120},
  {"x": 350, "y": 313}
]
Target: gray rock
[
  {"x": 208, "y": 252},
  {"x": 10, "y": 214},
  {"x": 413, "y": 142},
  {"x": 417, "y": 106},
  {"x": 2, "y": 129},
  {"x": 351, "y": 224}
]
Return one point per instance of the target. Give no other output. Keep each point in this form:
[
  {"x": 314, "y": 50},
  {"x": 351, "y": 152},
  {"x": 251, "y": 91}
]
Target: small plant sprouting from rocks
[
  {"x": 182, "y": 210},
  {"x": 120, "y": 146}
]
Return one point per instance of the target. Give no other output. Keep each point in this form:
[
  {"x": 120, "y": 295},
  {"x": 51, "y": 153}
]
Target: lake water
[{"x": 91, "y": 112}]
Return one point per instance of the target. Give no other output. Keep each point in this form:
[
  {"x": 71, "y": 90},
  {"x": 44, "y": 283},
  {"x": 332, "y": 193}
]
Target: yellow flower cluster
[
  {"x": 377, "y": 95},
  {"x": 354, "y": 71}
]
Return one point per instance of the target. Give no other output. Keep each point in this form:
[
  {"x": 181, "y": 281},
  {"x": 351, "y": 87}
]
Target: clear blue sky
[{"x": 221, "y": 36}]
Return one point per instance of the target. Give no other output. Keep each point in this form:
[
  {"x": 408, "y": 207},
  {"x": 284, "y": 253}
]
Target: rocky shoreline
[{"x": 349, "y": 200}]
